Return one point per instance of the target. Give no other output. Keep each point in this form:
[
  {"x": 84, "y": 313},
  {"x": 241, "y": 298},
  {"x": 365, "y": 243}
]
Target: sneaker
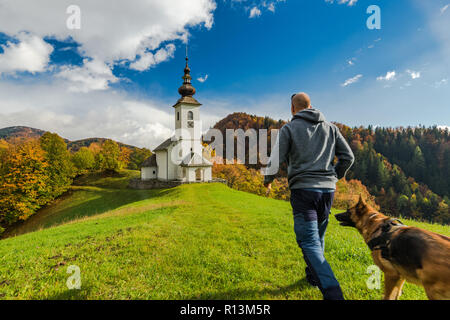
[{"x": 333, "y": 293}]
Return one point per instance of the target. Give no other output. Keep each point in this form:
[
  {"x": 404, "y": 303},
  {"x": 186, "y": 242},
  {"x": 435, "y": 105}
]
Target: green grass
[{"x": 192, "y": 242}]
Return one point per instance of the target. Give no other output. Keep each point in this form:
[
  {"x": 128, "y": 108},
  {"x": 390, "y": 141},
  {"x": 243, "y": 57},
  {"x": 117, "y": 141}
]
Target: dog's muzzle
[{"x": 344, "y": 219}]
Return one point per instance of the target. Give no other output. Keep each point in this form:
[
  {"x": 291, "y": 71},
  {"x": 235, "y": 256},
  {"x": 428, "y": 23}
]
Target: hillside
[
  {"x": 23, "y": 132},
  {"x": 20, "y": 132},
  {"x": 406, "y": 169},
  {"x": 202, "y": 241}
]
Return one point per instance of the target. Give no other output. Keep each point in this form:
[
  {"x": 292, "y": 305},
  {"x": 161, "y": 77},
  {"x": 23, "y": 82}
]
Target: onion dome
[{"x": 187, "y": 90}]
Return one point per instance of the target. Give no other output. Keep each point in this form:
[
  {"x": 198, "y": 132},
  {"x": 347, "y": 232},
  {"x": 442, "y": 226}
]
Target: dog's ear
[{"x": 361, "y": 201}]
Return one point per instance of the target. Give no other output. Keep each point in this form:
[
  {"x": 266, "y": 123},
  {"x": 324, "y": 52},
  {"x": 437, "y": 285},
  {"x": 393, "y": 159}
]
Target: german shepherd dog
[{"x": 403, "y": 253}]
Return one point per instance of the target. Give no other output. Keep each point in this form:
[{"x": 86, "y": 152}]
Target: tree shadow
[
  {"x": 253, "y": 294},
  {"x": 63, "y": 211},
  {"x": 75, "y": 294}
]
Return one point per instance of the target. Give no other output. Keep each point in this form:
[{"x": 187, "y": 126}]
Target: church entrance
[{"x": 198, "y": 175}]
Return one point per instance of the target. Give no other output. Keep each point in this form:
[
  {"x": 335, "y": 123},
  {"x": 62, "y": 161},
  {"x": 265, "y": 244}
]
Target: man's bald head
[{"x": 300, "y": 101}]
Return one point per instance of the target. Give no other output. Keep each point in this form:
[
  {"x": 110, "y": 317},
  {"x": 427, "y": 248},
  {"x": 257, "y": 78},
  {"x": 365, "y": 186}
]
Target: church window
[
  {"x": 178, "y": 116},
  {"x": 190, "y": 115}
]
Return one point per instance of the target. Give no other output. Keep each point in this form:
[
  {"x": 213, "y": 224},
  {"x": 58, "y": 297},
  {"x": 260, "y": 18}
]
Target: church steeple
[{"x": 187, "y": 90}]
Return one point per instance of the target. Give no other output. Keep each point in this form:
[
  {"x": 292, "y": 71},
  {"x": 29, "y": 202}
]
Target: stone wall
[{"x": 157, "y": 184}]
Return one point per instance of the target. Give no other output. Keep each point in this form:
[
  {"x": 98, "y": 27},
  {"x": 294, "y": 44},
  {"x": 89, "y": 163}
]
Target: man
[{"x": 309, "y": 145}]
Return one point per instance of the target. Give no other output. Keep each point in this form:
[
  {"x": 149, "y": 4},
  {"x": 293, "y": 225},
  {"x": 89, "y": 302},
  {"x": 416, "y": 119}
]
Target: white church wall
[
  {"x": 207, "y": 175},
  {"x": 190, "y": 174},
  {"x": 149, "y": 173},
  {"x": 161, "y": 159},
  {"x": 172, "y": 166}
]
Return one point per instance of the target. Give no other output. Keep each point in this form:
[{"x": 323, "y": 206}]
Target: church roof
[
  {"x": 150, "y": 162},
  {"x": 188, "y": 100},
  {"x": 195, "y": 160},
  {"x": 187, "y": 90},
  {"x": 164, "y": 146}
]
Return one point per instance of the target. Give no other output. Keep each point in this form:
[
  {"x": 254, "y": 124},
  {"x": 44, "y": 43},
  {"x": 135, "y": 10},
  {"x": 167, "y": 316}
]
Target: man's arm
[
  {"x": 283, "y": 145},
  {"x": 344, "y": 154}
]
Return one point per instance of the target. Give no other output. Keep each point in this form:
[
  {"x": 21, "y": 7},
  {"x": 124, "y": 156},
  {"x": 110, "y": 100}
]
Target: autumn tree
[
  {"x": 109, "y": 157},
  {"x": 4, "y": 146},
  {"x": 24, "y": 182},
  {"x": 60, "y": 169},
  {"x": 125, "y": 156},
  {"x": 137, "y": 157},
  {"x": 83, "y": 160}
]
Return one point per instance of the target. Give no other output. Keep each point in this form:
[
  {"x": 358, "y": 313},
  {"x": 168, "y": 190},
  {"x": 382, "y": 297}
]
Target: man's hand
[{"x": 269, "y": 188}]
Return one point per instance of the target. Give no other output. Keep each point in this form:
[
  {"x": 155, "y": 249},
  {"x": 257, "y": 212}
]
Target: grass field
[{"x": 201, "y": 241}]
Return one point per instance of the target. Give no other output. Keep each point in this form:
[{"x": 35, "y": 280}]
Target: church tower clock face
[{"x": 190, "y": 118}]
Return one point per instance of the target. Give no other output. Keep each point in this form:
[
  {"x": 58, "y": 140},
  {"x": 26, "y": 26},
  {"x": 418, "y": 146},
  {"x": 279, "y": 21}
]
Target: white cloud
[
  {"x": 440, "y": 83},
  {"x": 101, "y": 113},
  {"x": 444, "y": 8},
  {"x": 445, "y": 128},
  {"x": 347, "y": 2},
  {"x": 148, "y": 59},
  {"x": 111, "y": 35},
  {"x": 390, "y": 76},
  {"x": 137, "y": 36},
  {"x": 351, "y": 62},
  {"x": 202, "y": 79},
  {"x": 271, "y": 7},
  {"x": 352, "y": 80},
  {"x": 414, "y": 74},
  {"x": 31, "y": 54},
  {"x": 255, "y": 12},
  {"x": 93, "y": 75}
]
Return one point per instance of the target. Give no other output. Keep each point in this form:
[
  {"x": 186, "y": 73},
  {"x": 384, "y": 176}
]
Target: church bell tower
[{"x": 187, "y": 115}]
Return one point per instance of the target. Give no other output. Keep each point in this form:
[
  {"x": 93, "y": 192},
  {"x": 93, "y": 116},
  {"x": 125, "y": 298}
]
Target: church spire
[{"x": 187, "y": 90}]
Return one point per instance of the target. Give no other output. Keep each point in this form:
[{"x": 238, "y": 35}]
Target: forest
[
  {"x": 407, "y": 170},
  {"x": 36, "y": 170}
]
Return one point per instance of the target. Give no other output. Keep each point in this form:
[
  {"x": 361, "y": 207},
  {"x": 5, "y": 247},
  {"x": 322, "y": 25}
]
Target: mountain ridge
[{"x": 25, "y": 132}]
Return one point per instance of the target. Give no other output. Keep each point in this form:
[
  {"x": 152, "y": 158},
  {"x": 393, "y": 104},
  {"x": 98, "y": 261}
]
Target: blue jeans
[{"x": 311, "y": 211}]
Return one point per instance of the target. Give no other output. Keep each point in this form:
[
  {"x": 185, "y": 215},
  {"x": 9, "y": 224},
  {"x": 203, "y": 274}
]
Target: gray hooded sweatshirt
[{"x": 309, "y": 145}]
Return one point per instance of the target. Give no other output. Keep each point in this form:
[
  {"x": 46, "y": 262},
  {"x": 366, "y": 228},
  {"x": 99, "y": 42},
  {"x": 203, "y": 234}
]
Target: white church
[{"x": 180, "y": 158}]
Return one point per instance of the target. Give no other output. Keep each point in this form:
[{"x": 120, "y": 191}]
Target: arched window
[{"x": 190, "y": 115}]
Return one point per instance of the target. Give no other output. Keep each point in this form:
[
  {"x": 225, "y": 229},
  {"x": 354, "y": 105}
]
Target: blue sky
[{"x": 115, "y": 81}]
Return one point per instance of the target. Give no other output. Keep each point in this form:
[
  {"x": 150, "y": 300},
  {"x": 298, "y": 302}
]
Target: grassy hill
[{"x": 202, "y": 241}]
